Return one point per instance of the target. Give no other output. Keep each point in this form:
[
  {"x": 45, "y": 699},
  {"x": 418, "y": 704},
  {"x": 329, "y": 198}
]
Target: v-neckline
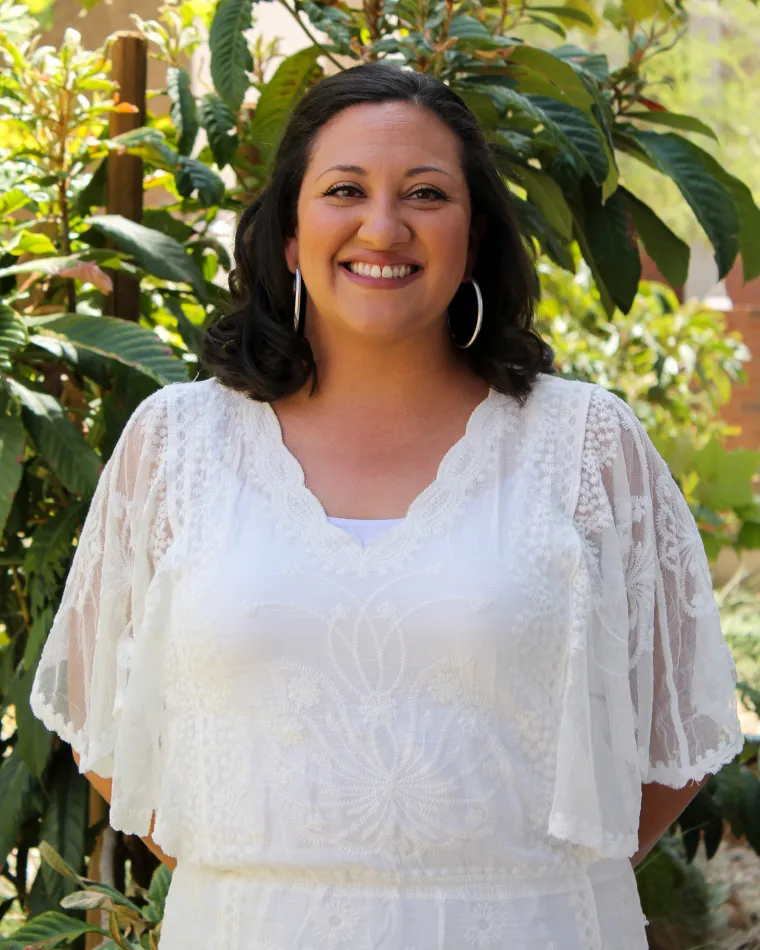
[{"x": 466, "y": 463}]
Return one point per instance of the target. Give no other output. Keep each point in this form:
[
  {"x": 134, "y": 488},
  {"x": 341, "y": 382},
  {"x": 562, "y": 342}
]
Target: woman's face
[{"x": 384, "y": 188}]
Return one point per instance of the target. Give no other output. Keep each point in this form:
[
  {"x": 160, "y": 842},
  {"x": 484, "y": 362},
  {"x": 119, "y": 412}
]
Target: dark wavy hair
[{"x": 254, "y": 348}]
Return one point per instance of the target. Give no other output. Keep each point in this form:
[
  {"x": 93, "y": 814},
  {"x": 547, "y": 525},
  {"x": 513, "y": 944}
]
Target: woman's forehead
[{"x": 397, "y": 133}]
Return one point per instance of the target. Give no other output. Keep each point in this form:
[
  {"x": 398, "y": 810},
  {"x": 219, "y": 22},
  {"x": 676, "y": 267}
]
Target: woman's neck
[{"x": 391, "y": 377}]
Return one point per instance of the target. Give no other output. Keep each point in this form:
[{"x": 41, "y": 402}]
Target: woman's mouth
[{"x": 374, "y": 275}]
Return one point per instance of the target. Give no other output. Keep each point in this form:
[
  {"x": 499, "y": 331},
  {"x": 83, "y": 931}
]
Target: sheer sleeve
[
  {"x": 650, "y": 692},
  {"x": 82, "y": 682},
  {"x": 682, "y": 675}
]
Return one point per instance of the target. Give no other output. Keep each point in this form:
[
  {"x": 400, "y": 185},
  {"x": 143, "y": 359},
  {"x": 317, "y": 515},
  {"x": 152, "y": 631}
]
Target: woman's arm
[
  {"x": 660, "y": 806},
  {"x": 103, "y": 786}
]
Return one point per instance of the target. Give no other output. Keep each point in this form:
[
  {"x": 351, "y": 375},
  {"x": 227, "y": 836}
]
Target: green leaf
[
  {"x": 596, "y": 65},
  {"x": 159, "y": 888},
  {"x": 750, "y": 808},
  {"x": 749, "y": 222},
  {"x": 13, "y": 200},
  {"x": 64, "y": 825},
  {"x": 93, "y": 195},
  {"x": 50, "y": 266},
  {"x": 41, "y": 624},
  {"x": 667, "y": 250},
  {"x": 193, "y": 175},
  {"x": 584, "y": 134},
  {"x": 147, "y": 143},
  {"x": 568, "y": 86},
  {"x": 641, "y": 9},
  {"x": 573, "y": 135},
  {"x": 32, "y": 737},
  {"x": 466, "y": 27},
  {"x": 548, "y": 24},
  {"x": 12, "y": 335},
  {"x": 49, "y": 926},
  {"x": 59, "y": 864},
  {"x": 190, "y": 333},
  {"x": 566, "y": 13},
  {"x": 218, "y": 120},
  {"x": 694, "y": 172},
  {"x": 544, "y": 192},
  {"x": 749, "y": 535},
  {"x": 58, "y": 440},
  {"x": 725, "y": 478},
  {"x": 16, "y": 783},
  {"x": 183, "y": 111},
  {"x": 158, "y": 254},
  {"x": 121, "y": 340},
  {"x": 30, "y": 242},
  {"x": 159, "y": 219},
  {"x": 608, "y": 231},
  {"x": 231, "y": 59},
  {"x": 12, "y": 440},
  {"x": 674, "y": 120},
  {"x": 533, "y": 224},
  {"x": 279, "y": 96}
]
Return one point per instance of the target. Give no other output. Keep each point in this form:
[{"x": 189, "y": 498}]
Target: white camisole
[{"x": 364, "y": 528}]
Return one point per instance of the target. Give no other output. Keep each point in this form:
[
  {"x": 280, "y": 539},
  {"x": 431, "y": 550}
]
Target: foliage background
[{"x": 561, "y": 126}]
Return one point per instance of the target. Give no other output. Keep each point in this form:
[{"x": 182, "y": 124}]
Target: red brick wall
[{"x": 744, "y": 408}]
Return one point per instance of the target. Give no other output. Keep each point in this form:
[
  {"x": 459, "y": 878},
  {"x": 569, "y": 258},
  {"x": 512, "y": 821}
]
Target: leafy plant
[
  {"x": 561, "y": 121},
  {"x": 133, "y": 922},
  {"x": 70, "y": 375}
]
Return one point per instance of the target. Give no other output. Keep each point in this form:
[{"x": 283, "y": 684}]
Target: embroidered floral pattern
[
  {"x": 416, "y": 774},
  {"x": 377, "y": 714},
  {"x": 487, "y": 925}
]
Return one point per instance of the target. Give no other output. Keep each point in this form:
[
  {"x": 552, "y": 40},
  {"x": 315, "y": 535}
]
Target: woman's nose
[{"x": 383, "y": 224}]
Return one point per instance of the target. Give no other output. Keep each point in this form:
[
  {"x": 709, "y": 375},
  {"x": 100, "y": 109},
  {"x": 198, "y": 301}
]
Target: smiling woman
[
  {"x": 420, "y": 190},
  {"x": 390, "y": 637}
]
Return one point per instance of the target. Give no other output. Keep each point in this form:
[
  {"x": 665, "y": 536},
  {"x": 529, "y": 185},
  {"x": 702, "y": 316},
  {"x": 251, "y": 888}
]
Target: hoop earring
[
  {"x": 479, "y": 321},
  {"x": 297, "y": 285}
]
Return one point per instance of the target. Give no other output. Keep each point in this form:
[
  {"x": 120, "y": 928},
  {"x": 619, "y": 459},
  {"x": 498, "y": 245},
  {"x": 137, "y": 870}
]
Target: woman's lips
[{"x": 380, "y": 283}]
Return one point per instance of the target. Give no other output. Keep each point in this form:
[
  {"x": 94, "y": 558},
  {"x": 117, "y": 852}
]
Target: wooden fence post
[
  {"x": 129, "y": 62},
  {"x": 129, "y": 67}
]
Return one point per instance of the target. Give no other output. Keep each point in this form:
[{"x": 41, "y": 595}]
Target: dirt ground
[{"x": 734, "y": 873}]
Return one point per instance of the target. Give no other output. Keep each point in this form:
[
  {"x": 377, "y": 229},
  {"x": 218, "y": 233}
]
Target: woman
[{"x": 402, "y": 641}]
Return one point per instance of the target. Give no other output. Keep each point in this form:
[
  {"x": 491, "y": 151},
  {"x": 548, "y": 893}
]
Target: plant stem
[
  {"x": 297, "y": 18},
  {"x": 22, "y": 858},
  {"x": 63, "y": 197},
  {"x": 23, "y": 606}
]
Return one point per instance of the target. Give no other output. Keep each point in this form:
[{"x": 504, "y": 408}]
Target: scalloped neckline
[{"x": 466, "y": 463}]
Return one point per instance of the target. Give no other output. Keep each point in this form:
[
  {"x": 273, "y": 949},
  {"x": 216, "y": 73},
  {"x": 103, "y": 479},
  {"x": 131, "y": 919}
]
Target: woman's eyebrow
[{"x": 358, "y": 170}]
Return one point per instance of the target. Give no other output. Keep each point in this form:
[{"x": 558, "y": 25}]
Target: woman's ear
[
  {"x": 477, "y": 230},
  {"x": 291, "y": 253}
]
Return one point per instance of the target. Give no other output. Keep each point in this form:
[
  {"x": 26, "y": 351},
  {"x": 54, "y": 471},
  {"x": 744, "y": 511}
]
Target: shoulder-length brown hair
[{"x": 254, "y": 348}]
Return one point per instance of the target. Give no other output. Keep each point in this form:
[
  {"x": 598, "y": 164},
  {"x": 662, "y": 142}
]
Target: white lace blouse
[{"x": 432, "y": 741}]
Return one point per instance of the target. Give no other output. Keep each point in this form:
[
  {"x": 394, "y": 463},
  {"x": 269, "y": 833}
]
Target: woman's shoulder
[
  {"x": 593, "y": 405},
  {"x": 193, "y": 403}
]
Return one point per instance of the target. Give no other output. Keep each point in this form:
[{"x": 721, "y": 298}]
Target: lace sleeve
[
  {"x": 649, "y": 693},
  {"x": 682, "y": 675},
  {"x": 83, "y": 674}
]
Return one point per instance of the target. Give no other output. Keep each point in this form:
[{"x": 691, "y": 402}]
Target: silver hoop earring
[
  {"x": 297, "y": 284},
  {"x": 479, "y": 321}
]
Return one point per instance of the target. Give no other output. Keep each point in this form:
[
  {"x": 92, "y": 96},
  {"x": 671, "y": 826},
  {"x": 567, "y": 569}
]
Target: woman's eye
[
  {"x": 426, "y": 193},
  {"x": 433, "y": 194},
  {"x": 334, "y": 192}
]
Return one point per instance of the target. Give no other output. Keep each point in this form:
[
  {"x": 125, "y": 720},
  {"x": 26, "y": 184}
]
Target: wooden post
[
  {"x": 98, "y": 868},
  {"x": 129, "y": 61}
]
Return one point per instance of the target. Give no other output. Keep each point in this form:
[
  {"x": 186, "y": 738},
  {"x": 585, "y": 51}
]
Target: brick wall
[{"x": 744, "y": 408}]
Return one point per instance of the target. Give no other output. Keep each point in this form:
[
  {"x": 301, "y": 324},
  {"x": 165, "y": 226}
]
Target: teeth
[{"x": 374, "y": 270}]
